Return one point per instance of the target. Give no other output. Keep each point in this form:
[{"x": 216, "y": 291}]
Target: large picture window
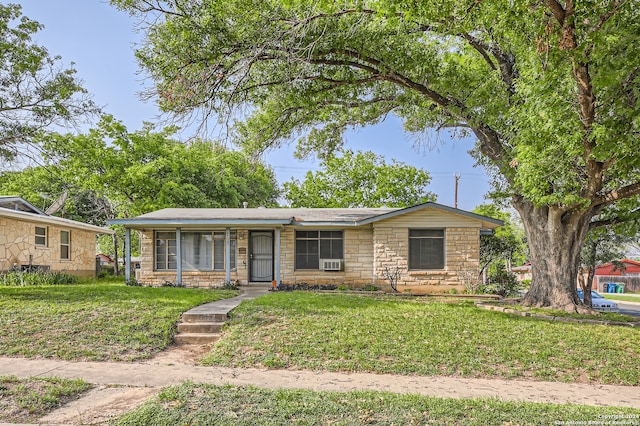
[
  {"x": 219, "y": 251},
  {"x": 200, "y": 251},
  {"x": 311, "y": 246},
  {"x": 426, "y": 249}
]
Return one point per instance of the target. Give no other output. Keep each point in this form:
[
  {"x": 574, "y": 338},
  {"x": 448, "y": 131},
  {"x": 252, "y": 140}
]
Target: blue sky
[{"x": 100, "y": 40}]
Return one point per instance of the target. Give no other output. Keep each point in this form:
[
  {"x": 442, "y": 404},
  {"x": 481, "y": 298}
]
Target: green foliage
[
  {"x": 26, "y": 400},
  {"x": 199, "y": 404},
  {"x": 36, "y": 91},
  {"x": 385, "y": 334},
  {"x": 360, "y": 179},
  {"x": 503, "y": 283},
  {"x": 36, "y": 278},
  {"x": 146, "y": 170}
]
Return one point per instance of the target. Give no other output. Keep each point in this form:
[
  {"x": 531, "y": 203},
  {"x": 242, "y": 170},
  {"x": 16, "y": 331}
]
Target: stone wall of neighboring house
[{"x": 18, "y": 242}]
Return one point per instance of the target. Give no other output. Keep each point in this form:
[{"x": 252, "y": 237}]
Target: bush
[
  {"x": 502, "y": 283},
  {"x": 26, "y": 279}
]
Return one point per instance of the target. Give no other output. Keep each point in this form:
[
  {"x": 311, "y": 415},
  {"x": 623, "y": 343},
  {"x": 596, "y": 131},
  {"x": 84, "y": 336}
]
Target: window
[
  {"x": 200, "y": 251},
  {"x": 426, "y": 249},
  {"x": 219, "y": 251},
  {"x": 196, "y": 251},
  {"x": 41, "y": 236},
  {"x": 165, "y": 251},
  {"x": 311, "y": 246},
  {"x": 65, "y": 245}
]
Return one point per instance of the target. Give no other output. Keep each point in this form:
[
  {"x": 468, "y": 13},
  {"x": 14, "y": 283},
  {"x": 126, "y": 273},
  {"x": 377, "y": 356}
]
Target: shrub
[
  {"x": 370, "y": 287},
  {"x": 36, "y": 278},
  {"x": 502, "y": 283}
]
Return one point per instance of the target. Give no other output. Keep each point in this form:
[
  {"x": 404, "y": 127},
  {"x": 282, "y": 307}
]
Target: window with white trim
[
  {"x": 165, "y": 250},
  {"x": 219, "y": 250},
  {"x": 41, "y": 236},
  {"x": 426, "y": 249},
  {"x": 65, "y": 245}
]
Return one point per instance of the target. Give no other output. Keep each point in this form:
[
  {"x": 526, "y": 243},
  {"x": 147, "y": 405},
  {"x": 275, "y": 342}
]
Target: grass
[
  {"x": 602, "y": 316},
  {"x": 26, "y": 400},
  {"x": 422, "y": 337},
  {"x": 94, "y": 321},
  {"x": 621, "y": 297},
  {"x": 192, "y": 404}
]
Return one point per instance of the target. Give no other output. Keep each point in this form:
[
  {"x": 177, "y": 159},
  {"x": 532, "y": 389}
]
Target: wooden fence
[{"x": 631, "y": 283}]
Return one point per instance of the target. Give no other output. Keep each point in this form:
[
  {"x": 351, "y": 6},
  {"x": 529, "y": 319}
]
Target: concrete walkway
[{"x": 122, "y": 386}]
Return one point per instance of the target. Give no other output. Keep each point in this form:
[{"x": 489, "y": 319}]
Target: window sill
[{"x": 429, "y": 272}]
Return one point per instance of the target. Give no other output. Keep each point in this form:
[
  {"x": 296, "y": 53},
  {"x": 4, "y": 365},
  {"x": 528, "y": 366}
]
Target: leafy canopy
[
  {"x": 36, "y": 91},
  {"x": 360, "y": 179}
]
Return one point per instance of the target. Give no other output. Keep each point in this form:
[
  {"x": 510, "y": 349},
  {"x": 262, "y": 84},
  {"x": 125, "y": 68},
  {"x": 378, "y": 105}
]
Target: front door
[{"x": 260, "y": 256}]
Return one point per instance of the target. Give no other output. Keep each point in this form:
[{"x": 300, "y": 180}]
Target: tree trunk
[{"x": 555, "y": 239}]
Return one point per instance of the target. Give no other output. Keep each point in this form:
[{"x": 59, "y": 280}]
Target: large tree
[
  {"x": 549, "y": 88},
  {"x": 148, "y": 170},
  {"x": 360, "y": 179},
  {"x": 36, "y": 90}
]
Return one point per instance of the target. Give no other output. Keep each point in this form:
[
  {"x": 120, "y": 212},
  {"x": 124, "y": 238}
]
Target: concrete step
[
  {"x": 200, "y": 327},
  {"x": 196, "y": 317},
  {"x": 196, "y": 338}
]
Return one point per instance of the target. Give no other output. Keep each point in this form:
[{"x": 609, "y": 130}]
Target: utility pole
[{"x": 457, "y": 176}]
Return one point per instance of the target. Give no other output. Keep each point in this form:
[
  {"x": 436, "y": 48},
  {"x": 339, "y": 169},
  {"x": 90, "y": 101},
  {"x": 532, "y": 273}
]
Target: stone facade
[
  {"x": 18, "y": 243},
  {"x": 462, "y": 260},
  {"x": 368, "y": 249}
]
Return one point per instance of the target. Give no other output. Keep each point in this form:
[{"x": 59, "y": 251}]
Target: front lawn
[
  {"x": 191, "y": 404},
  {"x": 94, "y": 321},
  {"x": 423, "y": 337},
  {"x": 26, "y": 400},
  {"x": 621, "y": 297}
]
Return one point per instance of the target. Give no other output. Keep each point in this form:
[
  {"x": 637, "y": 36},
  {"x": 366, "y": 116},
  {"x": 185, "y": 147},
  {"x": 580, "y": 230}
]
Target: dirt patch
[
  {"x": 181, "y": 355},
  {"x": 100, "y": 406}
]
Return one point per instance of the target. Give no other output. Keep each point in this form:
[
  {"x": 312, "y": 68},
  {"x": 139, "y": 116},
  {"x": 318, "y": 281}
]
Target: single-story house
[
  {"x": 104, "y": 260},
  {"x": 432, "y": 247},
  {"x": 32, "y": 239}
]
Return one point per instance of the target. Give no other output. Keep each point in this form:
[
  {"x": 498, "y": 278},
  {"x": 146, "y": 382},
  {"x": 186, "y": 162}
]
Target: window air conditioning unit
[{"x": 332, "y": 264}]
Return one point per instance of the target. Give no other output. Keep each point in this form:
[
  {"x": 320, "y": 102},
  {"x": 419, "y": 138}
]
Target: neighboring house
[
  {"x": 32, "y": 239},
  {"x": 608, "y": 273},
  {"x": 631, "y": 268},
  {"x": 104, "y": 259},
  {"x": 523, "y": 272},
  {"x": 434, "y": 247}
]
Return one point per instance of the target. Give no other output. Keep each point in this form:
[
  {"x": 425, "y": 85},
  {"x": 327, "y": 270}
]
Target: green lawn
[
  {"x": 423, "y": 337},
  {"x": 94, "y": 321},
  {"x": 621, "y": 297},
  {"x": 191, "y": 404},
  {"x": 26, "y": 400}
]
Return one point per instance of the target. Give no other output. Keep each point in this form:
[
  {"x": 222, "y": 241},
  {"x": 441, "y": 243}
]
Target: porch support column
[
  {"x": 178, "y": 256},
  {"x": 277, "y": 256},
  {"x": 127, "y": 255},
  {"x": 227, "y": 255}
]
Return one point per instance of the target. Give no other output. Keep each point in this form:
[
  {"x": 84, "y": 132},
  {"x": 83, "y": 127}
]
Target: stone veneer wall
[
  {"x": 364, "y": 247},
  {"x": 17, "y": 242},
  {"x": 462, "y": 260},
  {"x": 358, "y": 260}
]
